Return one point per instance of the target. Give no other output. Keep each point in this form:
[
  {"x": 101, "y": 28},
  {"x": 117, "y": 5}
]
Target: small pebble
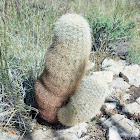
[
  {"x": 102, "y": 119},
  {"x": 30, "y": 130},
  {"x": 110, "y": 105},
  {"x": 44, "y": 129}
]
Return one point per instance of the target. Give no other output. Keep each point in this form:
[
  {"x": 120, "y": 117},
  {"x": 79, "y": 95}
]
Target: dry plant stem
[
  {"x": 3, "y": 94},
  {"x": 3, "y": 42},
  {"x": 6, "y": 112},
  {"x": 13, "y": 113}
]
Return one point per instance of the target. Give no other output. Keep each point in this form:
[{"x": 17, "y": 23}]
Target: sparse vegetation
[
  {"x": 109, "y": 30},
  {"x": 25, "y": 34}
]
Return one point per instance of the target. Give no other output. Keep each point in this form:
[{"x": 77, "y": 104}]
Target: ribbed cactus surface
[
  {"x": 66, "y": 61},
  {"x": 71, "y": 29},
  {"x": 85, "y": 103},
  {"x": 67, "y": 57}
]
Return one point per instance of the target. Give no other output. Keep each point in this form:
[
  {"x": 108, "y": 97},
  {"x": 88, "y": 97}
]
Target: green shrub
[
  {"x": 107, "y": 30},
  {"x": 133, "y": 57}
]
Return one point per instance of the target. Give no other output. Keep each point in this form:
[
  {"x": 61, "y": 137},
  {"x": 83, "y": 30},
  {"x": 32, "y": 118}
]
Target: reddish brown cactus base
[{"x": 46, "y": 103}]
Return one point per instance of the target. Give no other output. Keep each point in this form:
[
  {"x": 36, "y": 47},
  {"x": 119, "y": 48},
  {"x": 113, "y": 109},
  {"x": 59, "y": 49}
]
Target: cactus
[
  {"x": 66, "y": 61},
  {"x": 85, "y": 103}
]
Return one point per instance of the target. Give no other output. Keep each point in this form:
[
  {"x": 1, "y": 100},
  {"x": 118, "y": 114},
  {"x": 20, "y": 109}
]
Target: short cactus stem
[{"x": 65, "y": 65}]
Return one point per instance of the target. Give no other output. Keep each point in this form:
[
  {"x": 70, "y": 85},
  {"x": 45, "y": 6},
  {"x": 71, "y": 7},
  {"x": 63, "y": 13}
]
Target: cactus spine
[
  {"x": 66, "y": 61},
  {"x": 85, "y": 103}
]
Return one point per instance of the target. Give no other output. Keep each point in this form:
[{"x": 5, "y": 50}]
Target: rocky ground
[{"x": 119, "y": 118}]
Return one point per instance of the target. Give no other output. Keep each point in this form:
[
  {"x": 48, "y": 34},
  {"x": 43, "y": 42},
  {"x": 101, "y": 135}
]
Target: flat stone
[
  {"x": 118, "y": 88},
  {"x": 125, "y": 127},
  {"x": 107, "y": 76},
  {"x": 73, "y": 133},
  {"x": 138, "y": 100},
  {"x": 133, "y": 108},
  {"x": 69, "y": 136},
  {"x": 113, "y": 133},
  {"x": 119, "y": 84},
  {"x": 114, "y": 66},
  {"x": 133, "y": 74},
  {"x": 41, "y": 135}
]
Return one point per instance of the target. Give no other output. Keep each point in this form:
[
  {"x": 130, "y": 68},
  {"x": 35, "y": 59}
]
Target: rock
[
  {"x": 69, "y": 136},
  {"x": 122, "y": 50},
  {"x": 133, "y": 74},
  {"x": 8, "y": 136},
  {"x": 133, "y": 108},
  {"x": 138, "y": 100},
  {"x": 125, "y": 127},
  {"x": 119, "y": 85},
  {"x": 118, "y": 88},
  {"x": 44, "y": 129},
  {"x": 85, "y": 138},
  {"x": 73, "y": 133},
  {"x": 41, "y": 135},
  {"x": 107, "y": 76},
  {"x": 113, "y": 133},
  {"x": 103, "y": 119},
  {"x": 110, "y": 105},
  {"x": 114, "y": 66},
  {"x": 90, "y": 66}
]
